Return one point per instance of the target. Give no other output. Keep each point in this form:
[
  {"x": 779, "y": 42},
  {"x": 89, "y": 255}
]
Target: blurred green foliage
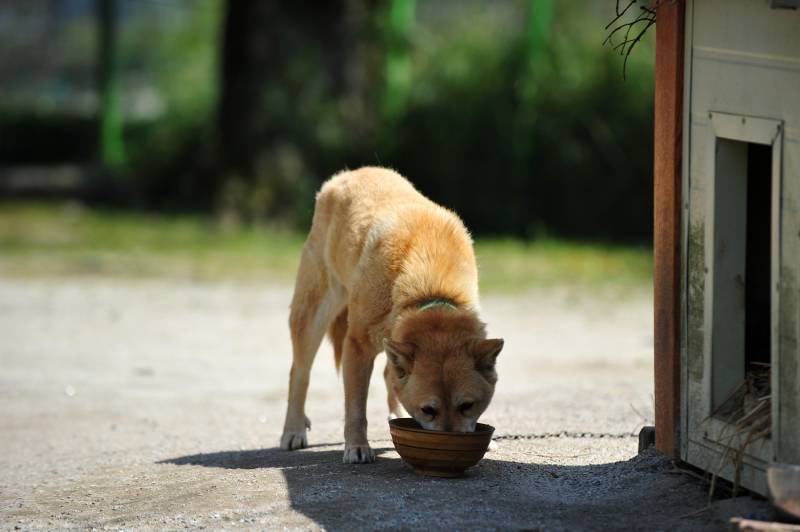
[
  {"x": 521, "y": 123},
  {"x": 559, "y": 145}
]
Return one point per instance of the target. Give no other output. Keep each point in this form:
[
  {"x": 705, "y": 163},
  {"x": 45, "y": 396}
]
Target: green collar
[{"x": 426, "y": 304}]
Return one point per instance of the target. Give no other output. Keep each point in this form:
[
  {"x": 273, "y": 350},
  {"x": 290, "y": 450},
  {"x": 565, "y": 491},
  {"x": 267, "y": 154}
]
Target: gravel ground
[{"x": 154, "y": 405}]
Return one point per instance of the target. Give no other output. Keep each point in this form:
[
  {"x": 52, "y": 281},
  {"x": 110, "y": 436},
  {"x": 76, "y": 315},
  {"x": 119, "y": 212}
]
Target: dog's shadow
[
  {"x": 273, "y": 458},
  {"x": 495, "y": 493},
  {"x": 341, "y": 496}
]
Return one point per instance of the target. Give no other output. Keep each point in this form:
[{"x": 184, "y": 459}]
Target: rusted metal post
[{"x": 667, "y": 232}]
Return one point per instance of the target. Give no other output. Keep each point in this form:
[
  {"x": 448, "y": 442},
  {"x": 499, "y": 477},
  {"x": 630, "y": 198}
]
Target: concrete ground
[{"x": 156, "y": 405}]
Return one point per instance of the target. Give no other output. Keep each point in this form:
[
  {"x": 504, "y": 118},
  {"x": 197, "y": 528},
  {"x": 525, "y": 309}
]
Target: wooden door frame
[{"x": 670, "y": 16}]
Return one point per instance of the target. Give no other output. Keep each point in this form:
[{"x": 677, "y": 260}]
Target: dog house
[{"x": 727, "y": 235}]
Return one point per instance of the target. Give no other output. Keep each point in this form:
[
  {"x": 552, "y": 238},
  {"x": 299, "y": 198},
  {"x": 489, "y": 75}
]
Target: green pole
[
  {"x": 398, "y": 61},
  {"x": 112, "y": 148},
  {"x": 537, "y": 33}
]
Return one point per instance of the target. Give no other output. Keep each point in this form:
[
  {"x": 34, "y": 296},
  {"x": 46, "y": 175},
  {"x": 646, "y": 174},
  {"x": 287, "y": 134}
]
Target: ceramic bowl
[
  {"x": 438, "y": 453},
  {"x": 784, "y": 486}
]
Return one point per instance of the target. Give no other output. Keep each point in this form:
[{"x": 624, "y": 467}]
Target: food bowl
[
  {"x": 438, "y": 453},
  {"x": 784, "y": 486}
]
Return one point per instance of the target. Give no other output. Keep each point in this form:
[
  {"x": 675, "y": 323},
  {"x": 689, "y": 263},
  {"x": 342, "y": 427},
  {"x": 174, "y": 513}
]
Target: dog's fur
[{"x": 386, "y": 269}]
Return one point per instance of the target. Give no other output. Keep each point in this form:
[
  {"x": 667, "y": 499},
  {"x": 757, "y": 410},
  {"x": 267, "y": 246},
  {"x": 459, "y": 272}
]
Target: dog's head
[{"x": 443, "y": 368}]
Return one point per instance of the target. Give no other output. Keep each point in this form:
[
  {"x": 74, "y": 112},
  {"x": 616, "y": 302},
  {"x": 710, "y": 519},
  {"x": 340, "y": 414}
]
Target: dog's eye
[
  {"x": 429, "y": 411},
  {"x": 464, "y": 407}
]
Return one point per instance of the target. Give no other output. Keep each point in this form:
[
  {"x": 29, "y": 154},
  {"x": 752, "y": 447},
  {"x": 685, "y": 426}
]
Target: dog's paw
[
  {"x": 358, "y": 454},
  {"x": 295, "y": 439},
  {"x": 493, "y": 445}
]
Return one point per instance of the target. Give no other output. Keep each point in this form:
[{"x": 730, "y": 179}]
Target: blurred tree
[
  {"x": 112, "y": 148},
  {"x": 282, "y": 67},
  {"x": 244, "y": 73},
  {"x": 364, "y": 66}
]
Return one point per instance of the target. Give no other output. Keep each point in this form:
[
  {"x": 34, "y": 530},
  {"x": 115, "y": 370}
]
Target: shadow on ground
[{"x": 642, "y": 493}]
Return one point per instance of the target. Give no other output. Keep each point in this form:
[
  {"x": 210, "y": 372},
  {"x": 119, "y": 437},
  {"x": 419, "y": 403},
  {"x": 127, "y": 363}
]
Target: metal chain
[
  {"x": 567, "y": 434},
  {"x": 548, "y": 435}
]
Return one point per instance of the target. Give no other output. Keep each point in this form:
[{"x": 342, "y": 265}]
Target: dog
[{"x": 386, "y": 269}]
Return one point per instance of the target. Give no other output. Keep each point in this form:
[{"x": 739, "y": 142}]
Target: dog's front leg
[{"x": 357, "y": 360}]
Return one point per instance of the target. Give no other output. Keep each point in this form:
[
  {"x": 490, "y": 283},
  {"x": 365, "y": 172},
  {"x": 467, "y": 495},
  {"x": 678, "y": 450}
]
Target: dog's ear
[
  {"x": 485, "y": 353},
  {"x": 401, "y": 355}
]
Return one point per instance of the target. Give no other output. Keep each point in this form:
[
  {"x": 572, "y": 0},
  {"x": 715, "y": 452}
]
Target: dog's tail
[{"x": 336, "y": 333}]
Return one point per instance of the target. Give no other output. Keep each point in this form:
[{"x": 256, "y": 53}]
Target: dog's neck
[
  {"x": 435, "y": 313},
  {"x": 403, "y": 310}
]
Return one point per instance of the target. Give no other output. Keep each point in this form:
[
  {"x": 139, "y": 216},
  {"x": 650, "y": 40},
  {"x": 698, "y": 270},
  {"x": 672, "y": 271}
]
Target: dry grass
[
  {"x": 748, "y": 414},
  {"x": 68, "y": 239}
]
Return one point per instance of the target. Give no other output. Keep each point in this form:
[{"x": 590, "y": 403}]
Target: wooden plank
[
  {"x": 667, "y": 219},
  {"x": 750, "y": 525}
]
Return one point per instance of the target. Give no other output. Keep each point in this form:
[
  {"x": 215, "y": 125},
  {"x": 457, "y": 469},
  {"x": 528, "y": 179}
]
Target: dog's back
[{"x": 373, "y": 222}]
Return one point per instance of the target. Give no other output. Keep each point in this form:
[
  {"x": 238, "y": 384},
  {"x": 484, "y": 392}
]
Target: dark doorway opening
[
  {"x": 758, "y": 267},
  {"x": 742, "y": 294}
]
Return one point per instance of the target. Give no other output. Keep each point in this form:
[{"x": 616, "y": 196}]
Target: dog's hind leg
[{"x": 316, "y": 302}]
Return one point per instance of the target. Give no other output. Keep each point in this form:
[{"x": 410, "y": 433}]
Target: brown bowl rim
[{"x": 481, "y": 429}]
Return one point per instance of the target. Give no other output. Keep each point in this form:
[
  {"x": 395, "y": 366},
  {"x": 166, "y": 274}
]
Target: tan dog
[{"x": 386, "y": 269}]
